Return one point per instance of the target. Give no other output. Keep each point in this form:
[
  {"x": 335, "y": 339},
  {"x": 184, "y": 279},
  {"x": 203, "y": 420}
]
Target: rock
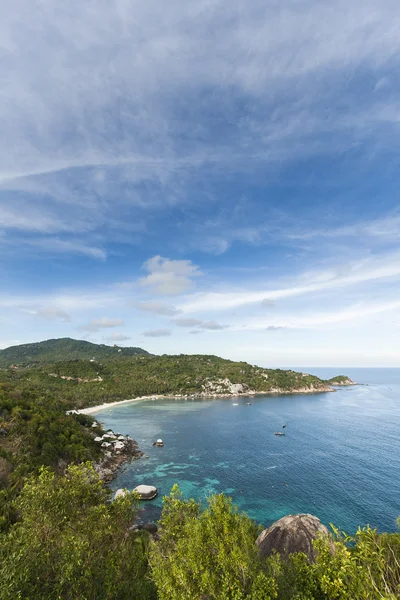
[
  {"x": 146, "y": 492},
  {"x": 150, "y": 527},
  {"x": 293, "y": 533},
  {"x": 120, "y": 493}
]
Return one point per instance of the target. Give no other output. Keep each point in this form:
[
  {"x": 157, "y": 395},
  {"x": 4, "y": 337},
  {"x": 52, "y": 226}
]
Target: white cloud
[
  {"x": 157, "y": 333},
  {"x": 117, "y": 337},
  {"x": 169, "y": 277},
  {"x": 51, "y": 313},
  {"x": 157, "y": 308},
  {"x": 98, "y": 324}
]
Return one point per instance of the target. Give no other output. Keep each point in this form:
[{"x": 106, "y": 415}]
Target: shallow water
[{"x": 339, "y": 459}]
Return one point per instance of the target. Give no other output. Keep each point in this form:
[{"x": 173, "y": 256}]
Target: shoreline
[
  {"x": 100, "y": 407},
  {"x": 93, "y": 409}
]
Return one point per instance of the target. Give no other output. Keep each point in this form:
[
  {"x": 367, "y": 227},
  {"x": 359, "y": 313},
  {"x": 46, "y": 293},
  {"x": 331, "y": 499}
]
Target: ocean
[{"x": 339, "y": 458}]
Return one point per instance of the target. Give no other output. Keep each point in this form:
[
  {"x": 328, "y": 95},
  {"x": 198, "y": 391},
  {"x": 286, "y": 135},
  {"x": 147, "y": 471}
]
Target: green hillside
[
  {"x": 62, "y": 349},
  {"x": 80, "y": 383}
]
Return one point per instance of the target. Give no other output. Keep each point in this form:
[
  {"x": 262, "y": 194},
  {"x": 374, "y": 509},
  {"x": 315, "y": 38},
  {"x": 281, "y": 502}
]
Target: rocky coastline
[{"x": 112, "y": 461}]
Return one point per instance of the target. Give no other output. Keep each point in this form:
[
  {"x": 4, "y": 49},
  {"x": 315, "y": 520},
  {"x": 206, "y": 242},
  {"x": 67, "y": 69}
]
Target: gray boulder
[
  {"x": 293, "y": 533},
  {"x": 146, "y": 492}
]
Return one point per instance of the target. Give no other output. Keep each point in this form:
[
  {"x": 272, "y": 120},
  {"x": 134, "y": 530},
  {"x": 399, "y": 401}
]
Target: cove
[{"x": 339, "y": 459}]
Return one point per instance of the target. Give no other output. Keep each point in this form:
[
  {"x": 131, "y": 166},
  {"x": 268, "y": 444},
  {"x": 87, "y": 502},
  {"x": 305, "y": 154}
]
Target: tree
[
  {"x": 71, "y": 542},
  {"x": 207, "y": 553}
]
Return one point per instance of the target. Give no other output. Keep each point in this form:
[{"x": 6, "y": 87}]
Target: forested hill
[
  {"x": 60, "y": 349},
  {"x": 81, "y": 383}
]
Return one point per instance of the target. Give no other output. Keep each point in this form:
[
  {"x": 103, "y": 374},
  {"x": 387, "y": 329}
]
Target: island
[{"x": 341, "y": 380}]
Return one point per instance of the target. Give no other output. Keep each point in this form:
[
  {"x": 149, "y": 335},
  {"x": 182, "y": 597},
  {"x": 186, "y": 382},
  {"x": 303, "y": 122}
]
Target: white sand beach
[{"x": 94, "y": 409}]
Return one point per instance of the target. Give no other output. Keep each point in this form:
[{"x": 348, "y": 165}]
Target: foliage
[
  {"x": 365, "y": 566},
  {"x": 207, "y": 553},
  {"x": 210, "y": 553},
  {"x": 70, "y": 542},
  {"x": 62, "y": 349},
  {"x": 38, "y": 433}
]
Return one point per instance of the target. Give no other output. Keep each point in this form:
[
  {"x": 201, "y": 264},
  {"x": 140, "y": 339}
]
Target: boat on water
[
  {"x": 279, "y": 433},
  {"x": 235, "y": 404}
]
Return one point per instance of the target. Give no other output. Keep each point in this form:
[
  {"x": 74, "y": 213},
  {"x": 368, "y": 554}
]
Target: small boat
[
  {"x": 235, "y": 404},
  {"x": 283, "y": 426},
  {"x": 279, "y": 433},
  {"x": 248, "y": 403}
]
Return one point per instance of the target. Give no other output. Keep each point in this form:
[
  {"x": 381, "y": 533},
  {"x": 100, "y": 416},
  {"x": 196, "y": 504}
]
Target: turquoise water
[{"x": 340, "y": 458}]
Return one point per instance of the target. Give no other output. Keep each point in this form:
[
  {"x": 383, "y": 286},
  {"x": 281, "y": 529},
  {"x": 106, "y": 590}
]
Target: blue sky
[{"x": 204, "y": 177}]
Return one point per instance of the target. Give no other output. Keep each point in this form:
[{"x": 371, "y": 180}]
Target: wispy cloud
[
  {"x": 211, "y": 325},
  {"x": 117, "y": 337},
  {"x": 98, "y": 324},
  {"x": 157, "y": 308},
  {"x": 51, "y": 313},
  {"x": 354, "y": 313},
  {"x": 79, "y": 123},
  {"x": 157, "y": 333},
  {"x": 68, "y": 247},
  {"x": 187, "y": 322},
  {"x": 370, "y": 269}
]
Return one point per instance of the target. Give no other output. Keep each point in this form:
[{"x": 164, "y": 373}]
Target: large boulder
[
  {"x": 293, "y": 533},
  {"x": 146, "y": 492}
]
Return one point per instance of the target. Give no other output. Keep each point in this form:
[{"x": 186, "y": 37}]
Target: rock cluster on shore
[{"x": 118, "y": 450}]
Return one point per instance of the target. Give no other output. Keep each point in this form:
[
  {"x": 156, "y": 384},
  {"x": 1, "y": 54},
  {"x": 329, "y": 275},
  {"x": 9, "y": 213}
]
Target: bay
[{"x": 339, "y": 459}]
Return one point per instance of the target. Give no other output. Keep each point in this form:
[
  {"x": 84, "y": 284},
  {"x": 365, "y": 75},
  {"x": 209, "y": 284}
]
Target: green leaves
[
  {"x": 207, "y": 553},
  {"x": 71, "y": 542}
]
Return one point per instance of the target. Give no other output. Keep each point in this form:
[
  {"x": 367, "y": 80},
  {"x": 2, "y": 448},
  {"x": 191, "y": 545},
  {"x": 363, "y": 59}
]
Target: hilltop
[{"x": 55, "y": 350}]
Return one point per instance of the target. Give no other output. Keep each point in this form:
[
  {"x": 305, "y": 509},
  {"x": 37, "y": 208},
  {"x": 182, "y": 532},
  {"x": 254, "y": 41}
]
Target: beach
[{"x": 94, "y": 409}]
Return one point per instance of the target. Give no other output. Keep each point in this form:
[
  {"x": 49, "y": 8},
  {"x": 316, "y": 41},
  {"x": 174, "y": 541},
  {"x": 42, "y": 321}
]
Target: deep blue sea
[{"x": 339, "y": 459}]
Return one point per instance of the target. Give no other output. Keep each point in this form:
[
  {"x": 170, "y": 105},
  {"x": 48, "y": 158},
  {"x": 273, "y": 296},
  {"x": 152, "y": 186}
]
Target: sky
[{"x": 203, "y": 177}]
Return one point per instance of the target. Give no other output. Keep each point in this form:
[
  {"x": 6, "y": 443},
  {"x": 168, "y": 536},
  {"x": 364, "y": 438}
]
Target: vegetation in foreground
[
  {"x": 70, "y": 542},
  {"x": 36, "y": 432}
]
